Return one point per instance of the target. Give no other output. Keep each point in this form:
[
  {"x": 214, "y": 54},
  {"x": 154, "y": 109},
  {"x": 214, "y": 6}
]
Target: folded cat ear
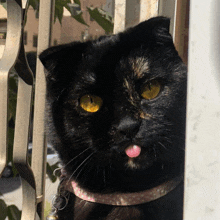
[
  {"x": 158, "y": 24},
  {"x": 60, "y": 63},
  {"x": 156, "y": 28},
  {"x": 56, "y": 57}
]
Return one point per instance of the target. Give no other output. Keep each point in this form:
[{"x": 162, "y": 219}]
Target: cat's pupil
[{"x": 90, "y": 103}]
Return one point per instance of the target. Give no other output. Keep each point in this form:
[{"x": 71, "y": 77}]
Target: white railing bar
[
  {"x": 8, "y": 59},
  {"x": 167, "y": 8},
  {"x": 120, "y": 16},
  {"x": 148, "y": 9},
  {"x": 202, "y": 176},
  {"x": 39, "y": 149}
]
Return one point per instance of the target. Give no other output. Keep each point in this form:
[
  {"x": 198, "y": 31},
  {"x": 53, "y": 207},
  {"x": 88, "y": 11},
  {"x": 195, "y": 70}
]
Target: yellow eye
[
  {"x": 90, "y": 103},
  {"x": 151, "y": 90}
]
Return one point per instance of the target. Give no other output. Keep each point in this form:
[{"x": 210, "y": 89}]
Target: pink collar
[{"x": 126, "y": 199}]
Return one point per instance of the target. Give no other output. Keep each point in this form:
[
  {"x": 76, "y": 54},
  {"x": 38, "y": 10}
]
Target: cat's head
[{"x": 117, "y": 108}]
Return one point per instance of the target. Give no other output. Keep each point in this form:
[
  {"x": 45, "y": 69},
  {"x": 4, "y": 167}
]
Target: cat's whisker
[
  {"x": 87, "y": 158},
  {"x": 168, "y": 140},
  {"x": 162, "y": 145},
  {"x": 78, "y": 140},
  {"x": 155, "y": 153},
  {"x": 76, "y": 157},
  {"x": 84, "y": 139},
  {"x": 181, "y": 148},
  {"x": 81, "y": 169}
]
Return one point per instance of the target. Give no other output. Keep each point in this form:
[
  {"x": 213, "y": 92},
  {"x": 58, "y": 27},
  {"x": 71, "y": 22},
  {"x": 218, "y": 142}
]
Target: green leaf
[
  {"x": 3, "y": 210},
  {"x": 77, "y": 15},
  {"x": 10, "y": 143},
  {"x": 58, "y": 13},
  {"x": 101, "y": 19},
  {"x": 14, "y": 170},
  {"x": 47, "y": 209},
  {"x": 59, "y": 5},
  {"x": 50, "y": 170},
  {"x": 13, "y": 82},
  {"x": 34, "y": 4},
  {"x": 13, "y": 213},
  {"x": 80, "y": 19},
  {"x": 10, "y": 150},
  {"x": 77, "y": 2},
  {"x": 54, "y": 167},
  {"x": 12, "y": 96},
  {"x": 4, "y": 4}
]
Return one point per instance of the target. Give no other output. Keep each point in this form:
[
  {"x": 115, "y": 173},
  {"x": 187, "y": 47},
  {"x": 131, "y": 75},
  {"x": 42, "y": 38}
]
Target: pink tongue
[{"x": 133, "y": 151}]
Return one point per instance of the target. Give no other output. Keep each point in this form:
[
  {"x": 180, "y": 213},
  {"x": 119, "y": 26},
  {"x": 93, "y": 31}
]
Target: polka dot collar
[{"x": 126, "y": 199}]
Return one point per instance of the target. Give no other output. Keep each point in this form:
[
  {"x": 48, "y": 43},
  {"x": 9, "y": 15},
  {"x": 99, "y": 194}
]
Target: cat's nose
[{"x": 128, "y": 126}]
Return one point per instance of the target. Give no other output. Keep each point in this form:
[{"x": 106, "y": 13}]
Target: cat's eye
[
  {"x": 90, "y": 103},
  {"x": 151, "y": 90}
]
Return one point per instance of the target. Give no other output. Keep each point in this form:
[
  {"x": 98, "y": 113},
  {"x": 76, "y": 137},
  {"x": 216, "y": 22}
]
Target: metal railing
[{"x": 33, "y": 178}]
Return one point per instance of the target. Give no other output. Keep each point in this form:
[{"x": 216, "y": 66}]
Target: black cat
[{"x": 116, "y": 115}]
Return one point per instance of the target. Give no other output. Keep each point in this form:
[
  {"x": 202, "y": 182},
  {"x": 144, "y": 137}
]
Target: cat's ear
[
  {"x": 61, "y": 62},
  {"x": 156, "y": 28},
  {"x": 158, "y": 24},
  {"x": 55, "y": 57}
]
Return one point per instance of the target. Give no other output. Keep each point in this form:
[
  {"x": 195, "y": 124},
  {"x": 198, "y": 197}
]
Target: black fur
[{"x": 98, "y": 140}]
